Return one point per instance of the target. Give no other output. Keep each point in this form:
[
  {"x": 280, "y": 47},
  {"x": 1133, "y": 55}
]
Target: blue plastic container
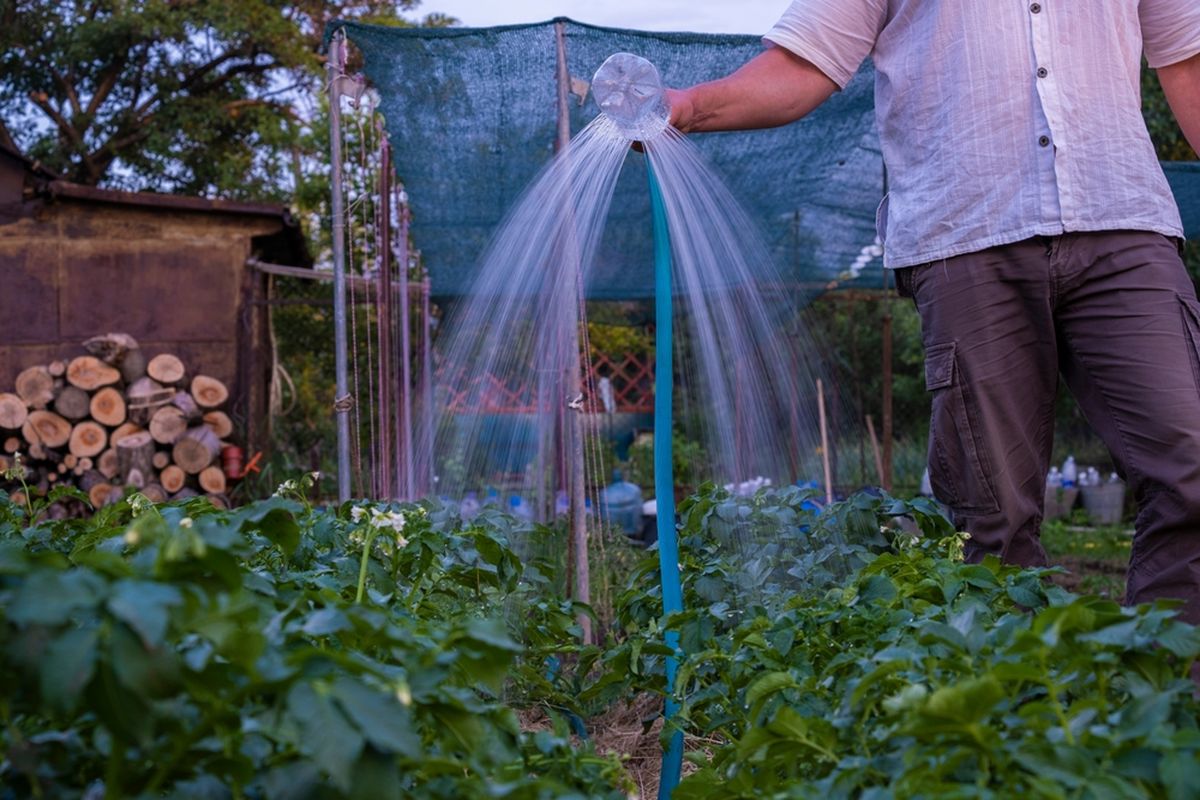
[{"x": 621, "y": 505}]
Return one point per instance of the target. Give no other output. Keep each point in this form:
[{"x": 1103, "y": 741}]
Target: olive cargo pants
[{"x": 1116, "y": 314}]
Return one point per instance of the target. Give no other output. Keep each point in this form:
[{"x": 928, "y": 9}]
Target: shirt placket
[{"x": 1050, "y": 132}]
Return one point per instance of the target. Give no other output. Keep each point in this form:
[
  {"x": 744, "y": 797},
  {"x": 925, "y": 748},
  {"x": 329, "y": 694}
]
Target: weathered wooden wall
[{"x": 176, "y": 280}]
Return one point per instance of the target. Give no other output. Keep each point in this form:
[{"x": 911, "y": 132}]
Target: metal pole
[
  {"x": 427, "y": 382},
  {"x": 406, "y": 405},
  {"x": 664, "y": 474},
  {"x": 383, "y": 286},
  {"x": 343, "y": 400}
]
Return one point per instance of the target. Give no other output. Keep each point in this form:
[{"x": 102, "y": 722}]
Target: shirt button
[
  {"x": 1044, "y": 141},
  {"x": 1042, "y": 72},
  {"x": 1035, "y": 8}
]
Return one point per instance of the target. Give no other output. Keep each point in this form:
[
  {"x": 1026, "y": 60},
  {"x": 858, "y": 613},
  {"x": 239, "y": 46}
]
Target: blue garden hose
[{"x": 664, "y": 474}]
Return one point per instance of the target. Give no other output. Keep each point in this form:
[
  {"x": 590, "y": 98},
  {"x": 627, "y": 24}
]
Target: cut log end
[
  {"x": 212, "y": 480},
  {"x": 219, "y": 423},
  {"x": 90, "y": 373},
  {"x": 208, "y": 391},
  {"x": 167, "y": 425},
  {"x": 35, "y": 386},
  {"x": 72, "y": 403},
  {"x": 165, "y": 368},
  {"x": 197, "y": 449},
  {"x": 172, "y": 479},
  {"x": 88, "y": 439},
  {"x": 108, "y": 407},
  {"x": 13, "y": 412},
  {"x": 52, "y": 430}
]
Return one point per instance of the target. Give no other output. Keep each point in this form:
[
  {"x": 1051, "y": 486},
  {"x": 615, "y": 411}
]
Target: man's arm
[
  {"x": 774, "y": 88},
  {"x": 1181, "y": 84}
]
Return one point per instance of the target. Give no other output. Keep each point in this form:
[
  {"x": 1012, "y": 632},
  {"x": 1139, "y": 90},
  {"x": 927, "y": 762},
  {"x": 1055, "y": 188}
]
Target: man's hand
[
  {"x": 1181, "y": 85},
  {"x": 680, "y": 102}
]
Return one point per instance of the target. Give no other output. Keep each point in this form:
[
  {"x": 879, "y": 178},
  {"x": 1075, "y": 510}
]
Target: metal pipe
[
  {"x": 406, "y": 406},
  {"x": 664, "y": 473},
  {"x": 383, "y": 294},
  {"x": 427, "y": 383},
  {"x": 343, "y": 401}
]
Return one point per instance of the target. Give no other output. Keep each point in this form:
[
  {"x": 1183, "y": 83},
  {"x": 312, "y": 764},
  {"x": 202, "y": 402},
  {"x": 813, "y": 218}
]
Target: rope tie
[{"x": 343, "y": 404}]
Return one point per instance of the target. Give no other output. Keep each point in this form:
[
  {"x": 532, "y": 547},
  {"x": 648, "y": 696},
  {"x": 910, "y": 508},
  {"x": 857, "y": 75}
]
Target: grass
[{"x": 1096, "y": 558}]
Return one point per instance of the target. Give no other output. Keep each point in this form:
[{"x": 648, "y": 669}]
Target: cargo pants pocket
[
  {"x": 957, "y": 458},
  {"x": 1191, "y": 328}
]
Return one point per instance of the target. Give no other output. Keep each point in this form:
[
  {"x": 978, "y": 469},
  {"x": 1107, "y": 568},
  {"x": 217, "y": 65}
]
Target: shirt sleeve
[
  {"x": 1170, "y": 30},
  {"x": 834, "y": 35}
]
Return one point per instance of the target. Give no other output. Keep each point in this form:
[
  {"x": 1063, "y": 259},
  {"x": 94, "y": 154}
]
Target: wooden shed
[{"x": 77, "y": 261}]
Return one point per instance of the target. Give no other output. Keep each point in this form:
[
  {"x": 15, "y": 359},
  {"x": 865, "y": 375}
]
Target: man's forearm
[
  {"x": 1181, "y": 85},
  {"x": 772, "y": 89}
]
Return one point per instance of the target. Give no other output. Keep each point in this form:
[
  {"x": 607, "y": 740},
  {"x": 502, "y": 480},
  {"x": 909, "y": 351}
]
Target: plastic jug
[{"x": 621, "y": 504}]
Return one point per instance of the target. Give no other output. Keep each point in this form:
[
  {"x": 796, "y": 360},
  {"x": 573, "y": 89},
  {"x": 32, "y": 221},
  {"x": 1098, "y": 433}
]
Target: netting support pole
[
  {"x": 574, "y": 378},
  {"x": 343, "y": 402},
  {"x": 406, "y": 487},
  {"x": 664, "y": 474},
  {"x": 384, "y": 328}
]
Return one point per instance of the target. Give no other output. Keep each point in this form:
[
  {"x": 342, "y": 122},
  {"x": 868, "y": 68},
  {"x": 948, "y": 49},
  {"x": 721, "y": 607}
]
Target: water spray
[{"x": 630, "y": 93}]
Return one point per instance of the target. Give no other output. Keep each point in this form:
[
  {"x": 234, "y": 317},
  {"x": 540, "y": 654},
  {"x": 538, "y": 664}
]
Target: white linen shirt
[{"x": 1004, "y": 119}]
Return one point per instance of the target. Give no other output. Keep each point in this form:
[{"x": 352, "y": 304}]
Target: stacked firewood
[{"x": 114, "y": 419}]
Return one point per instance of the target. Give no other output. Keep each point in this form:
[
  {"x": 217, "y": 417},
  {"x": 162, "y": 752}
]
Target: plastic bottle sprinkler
[{"x": 630, "y": 92}]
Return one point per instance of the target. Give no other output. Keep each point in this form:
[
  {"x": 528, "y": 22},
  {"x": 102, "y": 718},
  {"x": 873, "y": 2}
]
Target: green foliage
[
  {"x": 916, "y": 675},
  {"x": 203, "y": 97},
  {"x": 183, "y": 651}
]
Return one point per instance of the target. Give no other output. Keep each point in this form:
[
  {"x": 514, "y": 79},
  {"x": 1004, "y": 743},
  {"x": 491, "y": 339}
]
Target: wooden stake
[
  {"x": 875, "y": 448},
  {"x": 824, "y": 441}
]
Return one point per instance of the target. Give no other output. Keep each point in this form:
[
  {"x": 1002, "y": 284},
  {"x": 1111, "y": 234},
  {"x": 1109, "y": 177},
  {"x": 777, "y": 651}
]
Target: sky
[{"x": 711, "y": 16}]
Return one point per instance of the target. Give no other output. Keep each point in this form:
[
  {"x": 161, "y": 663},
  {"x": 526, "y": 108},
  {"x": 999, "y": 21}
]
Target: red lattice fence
[{"x": 632, "y": 379}]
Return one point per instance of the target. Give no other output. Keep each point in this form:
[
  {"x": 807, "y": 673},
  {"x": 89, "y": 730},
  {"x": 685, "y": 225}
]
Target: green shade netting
[{"x": 472, "y": 117}]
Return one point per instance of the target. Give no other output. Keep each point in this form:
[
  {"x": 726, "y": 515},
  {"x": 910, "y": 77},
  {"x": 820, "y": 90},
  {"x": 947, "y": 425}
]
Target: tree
[{"x": 196, "y": 96}]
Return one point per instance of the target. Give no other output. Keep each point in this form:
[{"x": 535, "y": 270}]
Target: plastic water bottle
[
  {"x": 468, "y": 509},
  {"x": 1091, "y": 477},
  {"x": 562, "y": 505},
  {"x": 629, "y": 91},
  {"x": 1114, "y": 478},
  {"x": 519, "y": 508},
  {"x": 1054, "y": 478},
  {"x": 1070, "y": 473},
  {"x": 492, "y": 498}
]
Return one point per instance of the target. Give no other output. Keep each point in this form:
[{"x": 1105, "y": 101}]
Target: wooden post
[
  {"x": 887, "y": 395},
  {"x": 574, "y": 377},
  {"x": 824, "y": 442}
]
